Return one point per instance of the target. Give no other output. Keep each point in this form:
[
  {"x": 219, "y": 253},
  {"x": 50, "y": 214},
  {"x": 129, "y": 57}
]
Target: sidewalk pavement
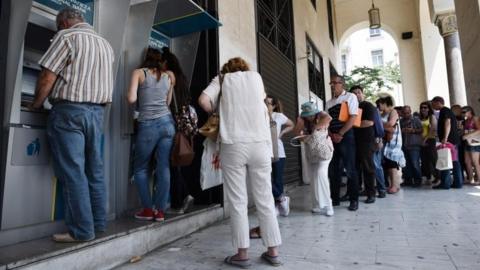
[{"x": 414, "y": 229}]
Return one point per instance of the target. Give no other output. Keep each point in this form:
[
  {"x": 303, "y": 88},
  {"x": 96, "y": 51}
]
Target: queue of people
[{"x": 372, "y": 146}]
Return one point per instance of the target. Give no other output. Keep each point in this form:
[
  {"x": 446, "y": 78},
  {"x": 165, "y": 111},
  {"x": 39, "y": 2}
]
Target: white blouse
[{"x": 243, "y": 113}]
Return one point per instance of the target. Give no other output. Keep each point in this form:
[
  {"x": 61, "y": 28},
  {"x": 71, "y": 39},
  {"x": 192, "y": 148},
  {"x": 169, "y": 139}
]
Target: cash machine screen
[{"x": 37, "y": 40}]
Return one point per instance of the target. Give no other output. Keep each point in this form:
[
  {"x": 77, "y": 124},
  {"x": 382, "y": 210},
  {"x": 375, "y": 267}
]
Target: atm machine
[
  {"x": 30, "y": 198},
  {"x": 31, "y": 203}
]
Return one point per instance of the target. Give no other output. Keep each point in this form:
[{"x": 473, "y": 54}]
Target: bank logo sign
[
  {"x": 33, "y": 148},
  {"x": 86, "y": 7}
]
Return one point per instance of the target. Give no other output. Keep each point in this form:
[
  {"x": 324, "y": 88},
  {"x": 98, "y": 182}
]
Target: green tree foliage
[{"x": 374, "y": 80}]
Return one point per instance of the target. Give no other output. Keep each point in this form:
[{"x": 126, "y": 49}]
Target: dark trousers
[
  {"x": 413, "y": 174},
  {"x": 446, "y": 178},
  {"x": 178, "y": 186},
  {"x": 277, "y": 178},
  {"x": 428, "y": 155},
  {"x": 344, "y": 153},
  {"x": 366, "y": 166}
]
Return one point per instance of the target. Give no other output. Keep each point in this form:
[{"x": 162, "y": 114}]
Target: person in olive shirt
[
  {"x": 365, "y": 142},
  {"x": 447, "y": 123}
]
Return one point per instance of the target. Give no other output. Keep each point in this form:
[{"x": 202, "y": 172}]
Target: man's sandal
[
  {"x": 272, "y": 260},
  {"x": 238, "y": 263},
  {"x": 255, "y": 233}
]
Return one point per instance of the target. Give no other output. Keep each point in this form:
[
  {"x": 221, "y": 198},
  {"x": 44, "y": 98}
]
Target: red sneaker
[
  {"x": 159, "y": 216},
  {"x": 144, "y": 214}
]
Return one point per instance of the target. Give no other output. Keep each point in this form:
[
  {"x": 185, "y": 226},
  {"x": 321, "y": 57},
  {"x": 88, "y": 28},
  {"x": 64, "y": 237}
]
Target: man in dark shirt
[
  {"x": 365, "y": 142},
  {"x": 447, "y": 123}
]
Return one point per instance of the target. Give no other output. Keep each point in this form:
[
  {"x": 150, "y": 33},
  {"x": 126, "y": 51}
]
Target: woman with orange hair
[{"x": 245, "y": 153}]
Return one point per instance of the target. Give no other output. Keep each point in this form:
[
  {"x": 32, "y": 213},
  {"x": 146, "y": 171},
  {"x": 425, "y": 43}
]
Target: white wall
[
  {"x": 433, "y": 56},
  {"x": 314, "y": 23},
  {"x": 397, "y": 16},
  {"x": 237, "y": 35}
]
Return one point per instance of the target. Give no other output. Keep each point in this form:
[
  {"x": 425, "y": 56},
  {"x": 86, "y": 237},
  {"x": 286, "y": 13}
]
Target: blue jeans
[
  {"x": 446, "y": 178},
  {"x": 154, "y": 138},
  {"x": 75, "y": 134},
  {"x": 379, "y": 174},
  {"x": 344, "y": 157},
  {"x": 413, "y": 170},
  {"x": 277, "y": 178}
]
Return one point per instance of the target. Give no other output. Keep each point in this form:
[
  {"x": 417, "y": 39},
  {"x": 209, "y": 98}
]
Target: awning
[{"x": 176, "y": 18}]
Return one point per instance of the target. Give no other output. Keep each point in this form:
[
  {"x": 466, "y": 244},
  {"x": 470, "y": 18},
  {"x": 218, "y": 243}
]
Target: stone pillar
[
  {"x": 447, "y": 25},
  {"x": 468, "y": 17}
]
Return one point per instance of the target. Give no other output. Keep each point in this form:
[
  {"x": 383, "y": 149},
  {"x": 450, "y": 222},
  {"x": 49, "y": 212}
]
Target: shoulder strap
[
  {"x": 220, "y": 79},
  {"x": 145, "y": 72}
]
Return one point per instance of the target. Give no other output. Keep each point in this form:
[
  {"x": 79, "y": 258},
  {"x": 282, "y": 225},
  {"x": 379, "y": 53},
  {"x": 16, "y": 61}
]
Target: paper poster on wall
[
  {"x": 86, "y": 7},
  {"x": 158, "y": 40}
]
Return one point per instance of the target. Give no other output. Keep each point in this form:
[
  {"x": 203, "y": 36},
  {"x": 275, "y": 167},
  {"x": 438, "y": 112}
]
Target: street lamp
[{"x": 374, "y": 17}]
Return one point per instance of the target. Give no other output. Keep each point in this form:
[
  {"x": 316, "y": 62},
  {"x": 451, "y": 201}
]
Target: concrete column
[
  {"x": 456, "y": 82},
  {"x": 468, "y": 16}
]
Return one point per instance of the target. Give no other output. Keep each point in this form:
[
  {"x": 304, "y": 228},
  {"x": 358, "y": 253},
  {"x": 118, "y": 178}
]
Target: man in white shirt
[{"x": 343, "y": 142}]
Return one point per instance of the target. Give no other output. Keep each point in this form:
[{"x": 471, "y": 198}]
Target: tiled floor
[{"x": 415, "y": 229}]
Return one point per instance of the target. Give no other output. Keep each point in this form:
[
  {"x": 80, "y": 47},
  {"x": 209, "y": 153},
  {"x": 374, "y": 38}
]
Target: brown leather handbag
[
  {"x": 211, "y": 128},
  {"x": 182, "y": 152}
]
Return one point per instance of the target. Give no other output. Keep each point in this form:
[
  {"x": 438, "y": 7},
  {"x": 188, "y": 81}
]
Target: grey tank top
[{"x": 152, "y": 97}]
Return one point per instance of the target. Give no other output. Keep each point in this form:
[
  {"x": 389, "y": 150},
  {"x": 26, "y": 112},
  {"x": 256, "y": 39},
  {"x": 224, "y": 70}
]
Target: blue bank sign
[
  {"x": 33, "y": 148},
  {"x": 158, "y": 40},
  {"x": 86, "y": 7}
]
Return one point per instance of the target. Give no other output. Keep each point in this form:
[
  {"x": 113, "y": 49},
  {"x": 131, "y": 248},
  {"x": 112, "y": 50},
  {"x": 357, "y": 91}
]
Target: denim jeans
[
  {"x": 277, "y": 178},
  {"x": 379, "y": 174},
  {"x": 413, "y": 170},
  {"x": 75, "y": 134},
  {"x": 446, "y": 178},
  {"x": 344, "y": 153},
  {"x": 154, "y": 139}
]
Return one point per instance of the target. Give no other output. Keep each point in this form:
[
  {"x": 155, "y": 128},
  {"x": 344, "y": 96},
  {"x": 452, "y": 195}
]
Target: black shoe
[
  {"x": 417, "y": 183},
  {"x": 335, "y": 203},
  {"x": 382, "y": 194},
  {"x": 370, "y": 199},
  {"x": 440, "y": 187},
  {"x": 344, "y": 198},
  {"x": 353, "y": 206},
  {"x": 363, "y": 193}
]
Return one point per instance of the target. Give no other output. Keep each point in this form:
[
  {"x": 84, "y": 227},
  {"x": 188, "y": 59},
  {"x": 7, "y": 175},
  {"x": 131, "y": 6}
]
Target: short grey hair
[
  {"x": 70, "y": 14},
  {"x": 341, "y": 78}
]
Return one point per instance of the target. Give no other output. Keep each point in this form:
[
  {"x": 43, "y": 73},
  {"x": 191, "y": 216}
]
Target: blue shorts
[{"x": 469, "y": 148}]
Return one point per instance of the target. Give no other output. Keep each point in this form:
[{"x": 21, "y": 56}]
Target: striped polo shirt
[{"x": 83, "y": 62}]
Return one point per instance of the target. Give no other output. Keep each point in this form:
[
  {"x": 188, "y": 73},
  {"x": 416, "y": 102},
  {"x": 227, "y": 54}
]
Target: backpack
[
  {"x": 187, "y": 120},
  {"x": 378, "y": 125},
  {"x": 319, "y": 147}
]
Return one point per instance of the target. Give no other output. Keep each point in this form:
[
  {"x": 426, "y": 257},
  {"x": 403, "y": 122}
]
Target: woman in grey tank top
[{"x": 151, "y": 88}]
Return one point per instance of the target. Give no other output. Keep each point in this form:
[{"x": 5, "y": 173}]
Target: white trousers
[
  {"x": 320, "y": 185},
  {"x": 249, "y": 161}
]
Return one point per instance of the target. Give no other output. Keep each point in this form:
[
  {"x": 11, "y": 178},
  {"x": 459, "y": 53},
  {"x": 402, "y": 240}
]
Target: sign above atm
[{"x": 86, "y": 7}]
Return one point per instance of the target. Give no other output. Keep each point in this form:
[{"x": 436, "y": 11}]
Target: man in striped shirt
[{"x": 77, "y": 77}]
